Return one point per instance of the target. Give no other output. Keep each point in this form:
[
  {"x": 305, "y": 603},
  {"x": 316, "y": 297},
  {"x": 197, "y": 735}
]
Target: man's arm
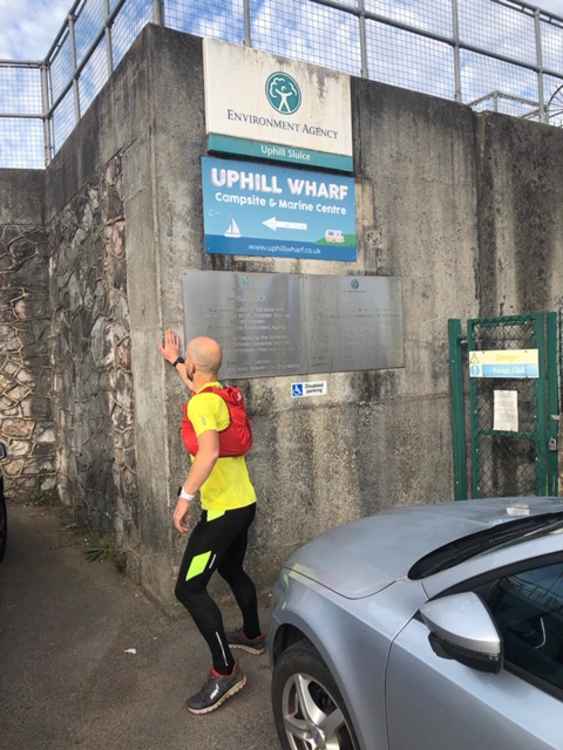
[
  {"x": 199, "y": 472},
  {"x": 204, "y": 462}
]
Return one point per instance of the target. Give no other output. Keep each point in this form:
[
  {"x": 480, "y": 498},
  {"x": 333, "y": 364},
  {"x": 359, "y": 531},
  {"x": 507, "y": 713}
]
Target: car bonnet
[{"x": 364, "y": 557}]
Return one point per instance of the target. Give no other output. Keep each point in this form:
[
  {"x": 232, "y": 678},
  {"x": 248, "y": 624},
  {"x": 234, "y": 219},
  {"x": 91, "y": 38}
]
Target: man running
[{"x": 219, "y": 540}]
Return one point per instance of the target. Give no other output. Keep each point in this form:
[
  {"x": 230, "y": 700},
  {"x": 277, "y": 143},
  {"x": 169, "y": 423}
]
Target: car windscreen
[{"x": 501, "y": 535}]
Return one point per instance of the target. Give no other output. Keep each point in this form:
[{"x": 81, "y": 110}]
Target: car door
[{"x": 436, "y": 703}]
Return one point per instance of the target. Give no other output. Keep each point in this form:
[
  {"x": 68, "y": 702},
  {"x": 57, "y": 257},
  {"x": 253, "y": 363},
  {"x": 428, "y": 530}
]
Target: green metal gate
[{"x": 508, "y": 446}]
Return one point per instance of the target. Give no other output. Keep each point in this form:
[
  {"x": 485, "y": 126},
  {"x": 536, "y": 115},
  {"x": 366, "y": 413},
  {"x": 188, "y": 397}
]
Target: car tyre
[{"x": 308, "y": 708}]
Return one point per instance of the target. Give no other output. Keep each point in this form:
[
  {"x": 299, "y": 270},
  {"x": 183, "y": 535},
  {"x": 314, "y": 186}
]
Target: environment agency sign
[{"x": 270, "y": 108}]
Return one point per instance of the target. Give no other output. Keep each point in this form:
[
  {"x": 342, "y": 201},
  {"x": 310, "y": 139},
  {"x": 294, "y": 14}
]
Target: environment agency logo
[{"x": 283, "y": 93}]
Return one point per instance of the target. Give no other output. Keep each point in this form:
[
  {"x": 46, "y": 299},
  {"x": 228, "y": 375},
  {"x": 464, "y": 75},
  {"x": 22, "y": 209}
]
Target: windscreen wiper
[
  {"x": 496, "y": 537},
  {"x": 547, "y": 528}
]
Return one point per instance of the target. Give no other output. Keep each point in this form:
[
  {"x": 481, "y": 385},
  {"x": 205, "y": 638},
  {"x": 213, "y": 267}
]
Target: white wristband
[{"x": 185, "y": 496}]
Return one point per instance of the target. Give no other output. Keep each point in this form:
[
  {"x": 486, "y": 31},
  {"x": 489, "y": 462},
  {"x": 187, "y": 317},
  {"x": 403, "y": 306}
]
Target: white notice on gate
[{"x": 506, "y": 411}]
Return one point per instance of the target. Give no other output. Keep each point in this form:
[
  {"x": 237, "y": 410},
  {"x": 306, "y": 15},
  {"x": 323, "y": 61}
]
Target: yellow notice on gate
[{"x": 504, "y": 363}]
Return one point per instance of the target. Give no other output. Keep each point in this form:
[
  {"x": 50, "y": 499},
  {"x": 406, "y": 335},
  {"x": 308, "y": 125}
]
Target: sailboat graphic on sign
[{"x": 233, "y": 229}]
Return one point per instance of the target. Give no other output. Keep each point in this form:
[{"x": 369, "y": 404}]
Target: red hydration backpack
[{"x": 236, "y": 439}]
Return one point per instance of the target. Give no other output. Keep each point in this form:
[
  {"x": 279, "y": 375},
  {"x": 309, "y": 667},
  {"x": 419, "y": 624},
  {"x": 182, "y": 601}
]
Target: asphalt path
[{"x": 66, "y": 680}]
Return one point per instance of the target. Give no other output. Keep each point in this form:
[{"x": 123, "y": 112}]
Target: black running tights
[{"x": 218, "y": 542}]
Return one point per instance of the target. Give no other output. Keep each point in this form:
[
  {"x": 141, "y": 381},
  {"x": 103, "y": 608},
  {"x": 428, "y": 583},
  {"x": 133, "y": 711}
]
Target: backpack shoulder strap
[
  {"x": 211, "y": 389},
  {"x": 230, "y": 393}
]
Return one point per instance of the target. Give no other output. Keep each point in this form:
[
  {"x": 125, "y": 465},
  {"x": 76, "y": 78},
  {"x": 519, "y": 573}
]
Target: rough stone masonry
[
  {"x": 91, "y": 359},
  {"x": 26, "y": 416}
]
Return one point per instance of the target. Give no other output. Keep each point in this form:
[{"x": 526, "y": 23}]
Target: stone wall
[
  {"x": 92, "y": 382},
  {"x": 26, "y": 424}
]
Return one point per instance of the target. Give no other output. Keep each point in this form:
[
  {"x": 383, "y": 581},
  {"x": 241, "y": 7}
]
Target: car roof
[{"x": 363, "y": 557}]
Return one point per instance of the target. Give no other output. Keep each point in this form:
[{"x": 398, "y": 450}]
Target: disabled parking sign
[
  {"x": 309, "y": 388},
  {"x": 263, "y": 210}
]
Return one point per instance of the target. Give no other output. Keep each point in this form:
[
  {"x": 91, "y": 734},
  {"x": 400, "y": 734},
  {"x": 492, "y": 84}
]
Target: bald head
[{"x": 205, "y": 354}]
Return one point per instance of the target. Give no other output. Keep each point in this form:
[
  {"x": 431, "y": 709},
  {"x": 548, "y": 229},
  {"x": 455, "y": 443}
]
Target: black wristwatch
[{"x": 177, "y": 360}]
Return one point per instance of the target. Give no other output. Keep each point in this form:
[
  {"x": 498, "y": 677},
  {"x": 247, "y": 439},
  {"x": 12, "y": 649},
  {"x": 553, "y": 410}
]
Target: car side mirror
[
  {"x": 461, "y": 628},
  {"x": 3, "y": 451}
]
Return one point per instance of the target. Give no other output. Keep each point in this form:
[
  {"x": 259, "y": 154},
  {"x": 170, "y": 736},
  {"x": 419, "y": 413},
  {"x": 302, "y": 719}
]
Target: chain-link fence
[
  {"x": 492, "y": 54},
  {"x": 503, "y": 464}
]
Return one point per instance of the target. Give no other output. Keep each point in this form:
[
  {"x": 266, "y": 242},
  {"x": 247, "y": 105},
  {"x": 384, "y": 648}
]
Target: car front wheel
[{"x": 308, "y": 709}]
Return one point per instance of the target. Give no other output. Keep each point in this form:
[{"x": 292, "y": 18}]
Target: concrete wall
[
  {"x": 520, "y": 168},
  {"x": 520, "y": 216},
  {"x": 379, "y": 438},
  {"x": 441, "y": 203},
  {"x": 25, "y": 375}
]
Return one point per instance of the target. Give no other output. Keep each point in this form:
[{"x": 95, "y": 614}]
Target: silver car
[{"x": 432, "y": 627}]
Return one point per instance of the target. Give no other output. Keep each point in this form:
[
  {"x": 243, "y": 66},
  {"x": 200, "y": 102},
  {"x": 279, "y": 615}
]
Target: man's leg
[
  {"x": 243, "y": 588},
  {"x": 207, "y": 544}
]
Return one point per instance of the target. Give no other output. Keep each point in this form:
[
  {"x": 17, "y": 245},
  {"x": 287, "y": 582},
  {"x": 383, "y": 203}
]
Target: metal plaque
[{"x": 274, "y": 324}]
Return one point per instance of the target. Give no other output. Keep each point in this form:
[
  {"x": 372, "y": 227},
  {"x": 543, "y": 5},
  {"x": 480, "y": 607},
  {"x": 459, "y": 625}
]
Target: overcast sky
[{"x": 28, "y": 27}]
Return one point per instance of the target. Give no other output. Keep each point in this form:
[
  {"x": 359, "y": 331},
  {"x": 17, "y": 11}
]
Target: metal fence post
[
  {"x": 457, "y": 51},
  {"x": 364, "y": 71},
  {"x": 247, "y": 23},
  {"x": 474, "y": 417},
  {"x": 51, "y": 119},
  {"x": 109, "y": 42},
  {"x": 45, "y": 109},
  {"x": 51, "y": 123},
  {"x": 158, "y": 12},
  {"x": 75, "y": 88},
  {"x": 541, "y": 388},
  {"x": 552, "y": 402},
  {"x": 457, "y": 403},
  {"x": 539, "y": 59}
]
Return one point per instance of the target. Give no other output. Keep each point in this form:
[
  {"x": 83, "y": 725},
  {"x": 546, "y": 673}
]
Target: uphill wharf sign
[
  {"x": 269, "y": 108},
  {"x": 273, "y": 211}
]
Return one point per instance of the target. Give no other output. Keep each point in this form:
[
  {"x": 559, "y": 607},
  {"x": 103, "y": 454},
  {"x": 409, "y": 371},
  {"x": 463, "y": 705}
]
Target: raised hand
[{"x": 170, "y": 350}]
